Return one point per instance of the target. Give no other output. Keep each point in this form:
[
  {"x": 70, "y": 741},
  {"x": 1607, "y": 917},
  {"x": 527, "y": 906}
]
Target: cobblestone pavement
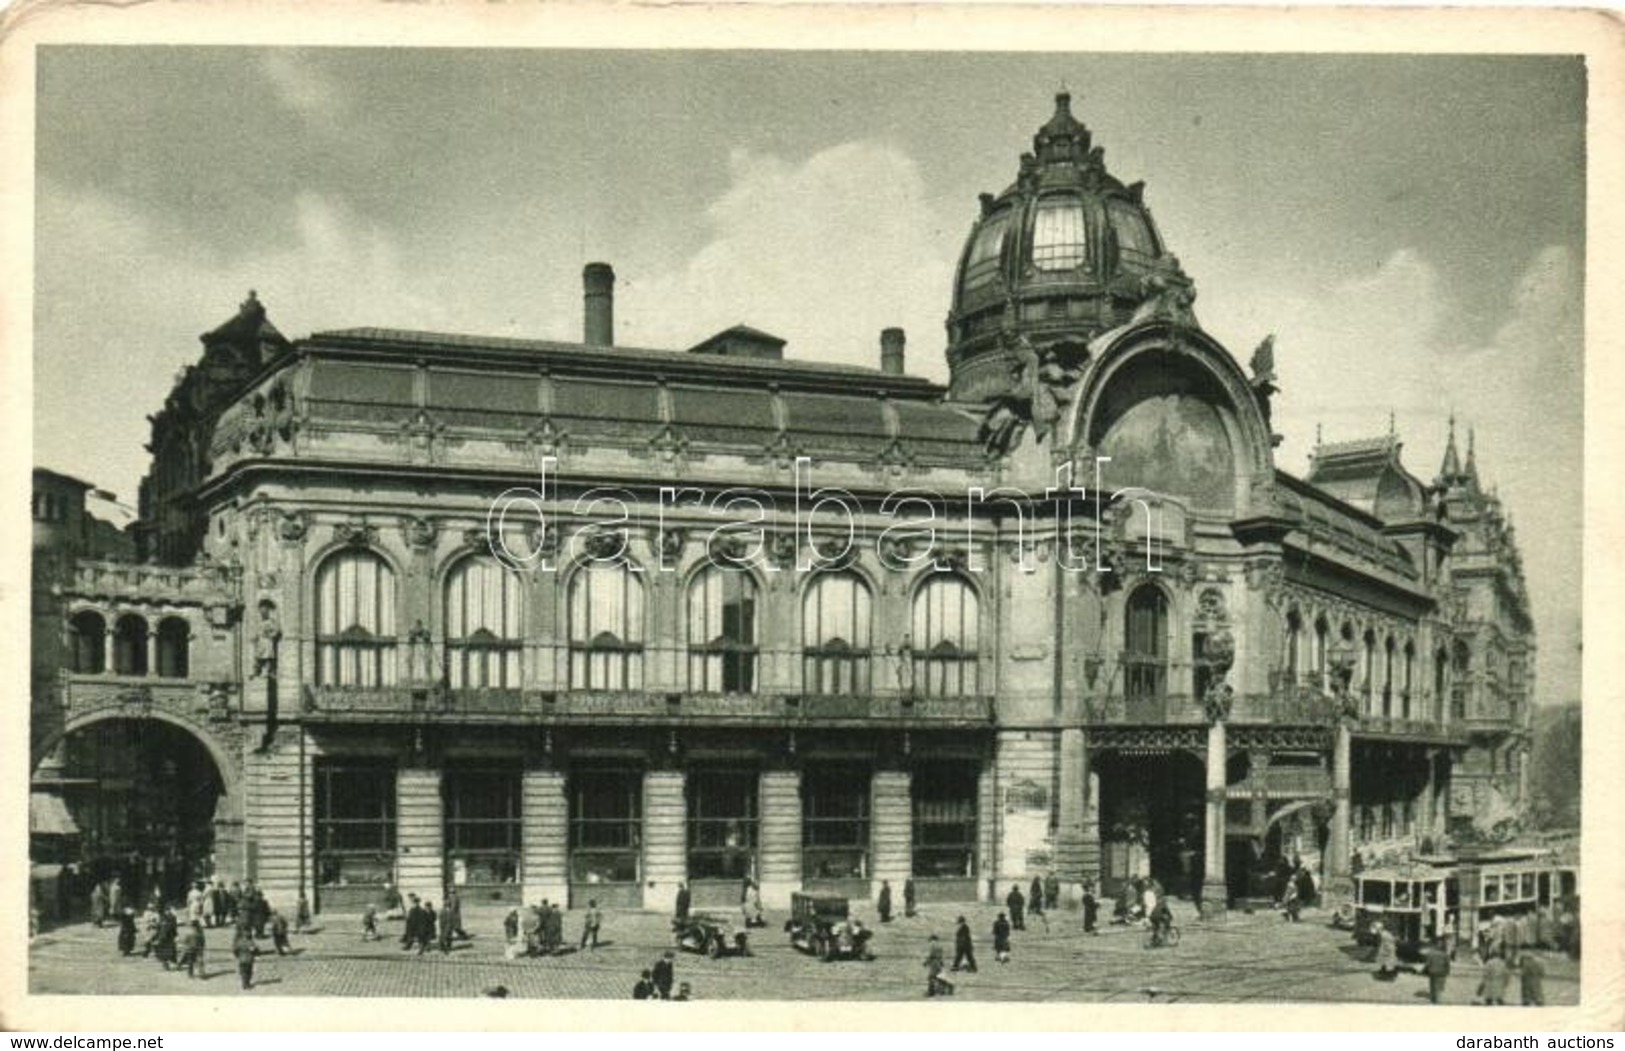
[{"x": 1246, "y": 959}]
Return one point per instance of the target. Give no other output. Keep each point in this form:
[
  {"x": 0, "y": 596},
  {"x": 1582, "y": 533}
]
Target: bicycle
[{"x": 1154, "y": 940}]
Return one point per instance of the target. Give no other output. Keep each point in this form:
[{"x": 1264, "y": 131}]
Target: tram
[{"x": 1430, "y": 896}]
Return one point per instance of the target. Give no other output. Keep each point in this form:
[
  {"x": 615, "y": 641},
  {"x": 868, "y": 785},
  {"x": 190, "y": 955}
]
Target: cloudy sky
[{"x": 1410, "y": 228}]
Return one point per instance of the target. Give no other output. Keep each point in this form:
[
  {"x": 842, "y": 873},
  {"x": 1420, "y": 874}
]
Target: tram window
[
  {"x": 1404, "y": 895},
  {"x": 1528, "y": 886},
  {"x": 1492, "y": 889},
  {"x": 1451, "y": 897},
  {"x": 1378, "y": 892},
  {"x": 1544, "y": 895}
]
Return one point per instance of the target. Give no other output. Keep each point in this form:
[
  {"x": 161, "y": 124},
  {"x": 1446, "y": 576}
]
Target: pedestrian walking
[
  {"x": 414, "y": 923},
  {"x": 1091, "y": 910},
  {"x": 1387, "y": 954},
  {"x": 589, "y": 924},
  {"x": 1017, "y": 906},
  {"x": 664, "y": 974},
  {"x": 279, "y": 933},
  {"x": 935, "y": 983},
  {"x": 1492, "y": 987},
  {"x": 192, "y": 945},
  {"x": 98, "y": 905},
  {"x": 115, "y": 898},
  {"x": 683, "y": 899},
  {"x": 553, "y": 923},
  {"x": 217, "y": 904},
  {"x": 242, "y": 948},
  {"x": 429, "y": 925},
  {"x": 883, "y": 903},
  {"x": 197, "y": 902},
  {"x": 1436, "y": 965},
  {"x": 1035, "y": 897},
  {"x": 1052, "y": 892},
  {"x": 163, "y": 945},
  {"x": 1532, "y": 978},
  {"x": 752, "y": 906},
  {"x": 446, "y": 928},
  {"x": 369, "y": 923},
  {"x": 909, "y": 901},
  {"x": 964, "y": 948},
  {"x": 126, "y": 932},
  {"x": 1290, "y": 902},
  {"x": 451, "y": 915},
  {"x": 510, "y": 926},
  {"x": 1001, "y": 939}
]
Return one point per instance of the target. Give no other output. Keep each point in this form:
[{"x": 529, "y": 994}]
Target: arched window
[
  {"x": 1408, "y": 683},
  {"x": 174, "y": 641},
  {"x": 355, "y": 621},
  {"x": 89, "y": 635},
  {"x": 835, "y": 635},
  {"x": 1145, "y": 650},
  {"x": 1441, "y": 682},
  {"x": 483, "y": 633},
  {"x": 1388, "y": 677},
  {"x": 722, "y": 631},
  {"x": 1461, "y": 664},
  {"x": 944, "y": 638},
  {"x": 1368, "y": 667},
  {"x": 130, "y": 646},
  {"x": 1294, "y": 639},
  {"x": 606, "y": 628}
]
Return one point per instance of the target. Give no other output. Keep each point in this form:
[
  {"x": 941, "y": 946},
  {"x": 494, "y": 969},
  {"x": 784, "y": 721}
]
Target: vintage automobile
[
  {"x": 710, "y": 934},
  {"x": 821, "y": 924}
]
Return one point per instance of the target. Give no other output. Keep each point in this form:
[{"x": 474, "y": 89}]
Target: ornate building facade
[{"x": 820, "y": 626}]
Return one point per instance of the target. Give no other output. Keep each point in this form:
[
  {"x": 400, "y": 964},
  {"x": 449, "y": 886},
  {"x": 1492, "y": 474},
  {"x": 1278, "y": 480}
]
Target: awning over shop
[{"x": 48, "y": 816}]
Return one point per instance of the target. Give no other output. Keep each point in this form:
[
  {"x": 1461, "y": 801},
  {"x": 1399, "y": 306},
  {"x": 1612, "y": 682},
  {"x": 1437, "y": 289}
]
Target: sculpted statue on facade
[
  {"x": 1043, "y": 387},
  {"x": 266, "y": 637}
]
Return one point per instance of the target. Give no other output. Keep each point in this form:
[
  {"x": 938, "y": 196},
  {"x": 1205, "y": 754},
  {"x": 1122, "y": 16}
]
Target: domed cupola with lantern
[{"x": 1062, "y": 255}]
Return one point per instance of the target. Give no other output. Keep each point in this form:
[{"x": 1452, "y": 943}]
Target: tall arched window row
[
  {"x": 947, "y": 616},
  {"x": 722, "y": 641},
  {"x": 1388, "y": 677},
  {"x": 606, "y": 628},
  {"x": 836, "y": 635},
  {"x": 130, "y": 645},
  {"x": 355, "y": 621},
  {"x": 1294, "y": 644},
  {"x": 88, "y": 632},
  {"x": 1408, "y": 683},
  {"x": 1145, "y": 650},
  {"x": 1322, "y": 638},
  {"x": 483, "y": 629},
  {"x": 174, "y": 645}
]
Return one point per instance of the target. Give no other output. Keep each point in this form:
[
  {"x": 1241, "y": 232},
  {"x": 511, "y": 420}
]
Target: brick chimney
[
  {"x": 891, "y": 351},
  {"x": 598, "y": 285}
]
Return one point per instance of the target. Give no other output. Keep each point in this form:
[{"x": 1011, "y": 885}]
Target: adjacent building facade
[{"x": 584, "y": 621}]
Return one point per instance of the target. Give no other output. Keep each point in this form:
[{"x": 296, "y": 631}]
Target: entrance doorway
[{"x": 1151, "y": 818}]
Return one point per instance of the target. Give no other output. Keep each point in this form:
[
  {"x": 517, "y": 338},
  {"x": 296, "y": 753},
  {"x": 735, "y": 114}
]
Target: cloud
[
  {"x": 302, "y": 87},
  {"x": 848, "y": 228}
]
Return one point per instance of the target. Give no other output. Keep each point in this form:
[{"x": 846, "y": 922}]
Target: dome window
[
  {"x": 982, "y": 264},
  {"x": 1058, "y": 237},
  {"x": 1134, "y": 236}
]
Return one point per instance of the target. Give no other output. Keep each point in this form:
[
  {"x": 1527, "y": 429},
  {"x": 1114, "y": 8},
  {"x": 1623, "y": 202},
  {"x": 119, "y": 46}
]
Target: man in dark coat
[
  {"x": 414, "y": 923},
  {"x": 1001, "y": 939},
  {"x": 1017, "y": 906},
  {"x": 1492, "y": 987},
  {"x": 964, "y": 948},
  {"x": 126, "y": 932},
  {"x": 645, "y": 989},
  {"x": 164, "y": 945},
  {"x": 1052, "y": 892},
  {"x": 426, "y": 932},
  {"x": 1091, "y": 910},
  {"x": 908, "y": 898},
  {"x": 1436, "y": 965},
  {"x": 683, "y": 900},
  {"x": 1035, "y": 897},
  {"x": 242, "y": 947},
  {"x": 883, "y": 905},
  {"x": 451, "y": 917},
  {"x": 664, "y": 973}
]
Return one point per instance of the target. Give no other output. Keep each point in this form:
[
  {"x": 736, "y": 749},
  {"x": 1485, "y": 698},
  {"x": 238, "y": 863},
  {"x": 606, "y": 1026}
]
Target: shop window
[
  {"x": 944, "y": 805},
  {"x": 355, "y": 621},
  {"x": 835, "y": 634},
  {"x": 835, "y": 824},
  {"x": 88, "y": 631},
  {"x": 944, "y": 638},
  {"x": 722, "y": 824},
  {"x": 606, "y": 628},
  {"x": 354, "y": 823},
  {"x": 606, "y": 826},
  {"x": 722, "y": 643},
  {"x": 484, "y": 827},
  {"x": 483, "y": 633}
]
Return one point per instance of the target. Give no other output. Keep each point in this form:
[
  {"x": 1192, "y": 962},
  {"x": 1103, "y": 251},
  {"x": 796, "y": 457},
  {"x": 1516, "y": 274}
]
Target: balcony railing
[{"x": 346, "y": 703}]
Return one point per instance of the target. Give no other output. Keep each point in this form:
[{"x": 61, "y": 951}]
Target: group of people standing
[
  {"x": 425, "y": 928},
  {"x": 538, "y": 930},
  {"x": 656, "y": 982},
  {"x": 176, "y": 937}
]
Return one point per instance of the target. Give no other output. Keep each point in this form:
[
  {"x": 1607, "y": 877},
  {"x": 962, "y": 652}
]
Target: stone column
[
  {"x": 420, "y": 830},
  {"x": 779, "y": 864},
  {"x": 152, "y": 650},
  {"x": 1215, "y": 892},
  {"x": 546, "y": 815},
  {"x": 1339, "y": 886},
  {"x": 892, "y": 831},
  {"x": 665, "y": 838},
  {"x": 1069, "y": 835}
]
